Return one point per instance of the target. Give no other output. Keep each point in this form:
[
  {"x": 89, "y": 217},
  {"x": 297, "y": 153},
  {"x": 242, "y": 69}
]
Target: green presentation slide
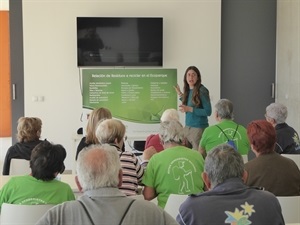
[{"x": 134, "y": 95}]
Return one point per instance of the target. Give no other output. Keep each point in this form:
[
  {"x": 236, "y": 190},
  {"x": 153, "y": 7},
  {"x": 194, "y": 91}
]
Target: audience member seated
[
  {"x": 99, "y": 176},
  {"x": 288, "y": 141},
  {"x": 40, "y": 187},
  {"x": 111, "y": 131},
  {"x": 147, "y": 154},
  {"x": 153, "y": 139},
  {"x": 270, "y": 170},
  {"x": 226, "y": 130},
  {"x": 229, "y": 200},
  {"x": 175, "y": 170},
  {"x": 94, "y": 118},
  {"x": 28, "y": 136}
]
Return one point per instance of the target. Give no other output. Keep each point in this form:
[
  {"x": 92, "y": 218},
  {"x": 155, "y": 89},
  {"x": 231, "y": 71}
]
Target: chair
[
  {"x": 13, "y": 214},
  {"x": 245, "y": 158},
  {"x": 290, "y": 206},
  {"x": 19, "y": 167},
  {"x": 173, "y": 203},
  {"x": 294, "y": 157}
]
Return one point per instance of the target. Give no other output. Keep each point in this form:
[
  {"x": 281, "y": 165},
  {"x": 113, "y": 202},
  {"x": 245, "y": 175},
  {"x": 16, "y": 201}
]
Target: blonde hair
[
  {"x": 29, "y": 129},
  {"x": 110, "y": 130},
  {"x": 95, "y": 117}
]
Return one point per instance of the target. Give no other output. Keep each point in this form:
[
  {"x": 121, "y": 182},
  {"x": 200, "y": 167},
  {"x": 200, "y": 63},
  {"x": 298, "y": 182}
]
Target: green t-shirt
[
  {"x": 213, "y": 136},
  {"x": 175, "y": 170},
  {"x": 27, "y": 190}
]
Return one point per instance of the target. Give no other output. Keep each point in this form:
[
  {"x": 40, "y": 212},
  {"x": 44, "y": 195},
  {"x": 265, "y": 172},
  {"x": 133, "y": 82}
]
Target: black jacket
[
  {"x": 287, "y": 140},
  {"x": 20, "y": 150}
]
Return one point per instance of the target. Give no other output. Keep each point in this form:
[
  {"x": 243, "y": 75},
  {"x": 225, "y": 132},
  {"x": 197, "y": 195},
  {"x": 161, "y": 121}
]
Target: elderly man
[
  {"x": 226, "y": 130},
  {"x": 99, "y": 176},
  {"x": 288, "y": 141},
  {"x": 229, "y": 200}
]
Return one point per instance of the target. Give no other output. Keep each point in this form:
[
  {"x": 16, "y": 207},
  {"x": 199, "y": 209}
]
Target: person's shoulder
[
  {"x": 241, "y": 127},
  {"x": 203, "y": 89},
  {"x": 211, "y": 128},
  {"x": 128, "y": 156},
  {"x": 251, "y": 162},
  {"x": 287, "y": 160},
  {"x": 146, "y": 206},
  {"x": 153, "y": 213},
  {"x": 16, "y": 180},
  {"x": 61, "y": 184},
  {"x": 262, "y": 194},
  {"x": 195, "y": 201},
  {"x": 127, "y": 153},
  {"x": 150, "y": 137}
]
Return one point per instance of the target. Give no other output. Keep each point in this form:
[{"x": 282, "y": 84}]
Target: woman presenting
[{"x": 195, "y": 104}]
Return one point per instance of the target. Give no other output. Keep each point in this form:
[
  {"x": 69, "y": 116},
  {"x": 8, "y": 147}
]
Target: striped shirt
[{"x": 132, "y": 173}]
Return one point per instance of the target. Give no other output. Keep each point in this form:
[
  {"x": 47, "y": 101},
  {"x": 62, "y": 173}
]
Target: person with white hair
[
  {"x": 153, "y": 139},
  {"x": 175, "y": 170},
  {"x": 288, "y": 141},
  {"x": 99, "y": 175},
  {"x": 112, "y": 131}
]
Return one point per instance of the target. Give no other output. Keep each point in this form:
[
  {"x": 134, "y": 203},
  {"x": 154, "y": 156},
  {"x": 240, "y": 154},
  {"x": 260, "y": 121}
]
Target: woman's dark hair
[
  {"x": 46, "y": 160},
  {"x": 196, "y": 89}
]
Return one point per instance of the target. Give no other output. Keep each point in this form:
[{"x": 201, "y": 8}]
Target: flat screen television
[{"x": 119, "y": 41}]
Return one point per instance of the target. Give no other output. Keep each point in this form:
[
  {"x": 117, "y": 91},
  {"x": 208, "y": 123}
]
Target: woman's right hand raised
[{"x": 177, "y": 89}]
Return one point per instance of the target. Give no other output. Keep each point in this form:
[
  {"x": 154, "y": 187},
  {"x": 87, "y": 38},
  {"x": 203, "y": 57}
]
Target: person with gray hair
[
  {"x": 175, "y": 170},
  {"x": 153, "y": 139},
  {"x": 288, "y": 141},
  {"x": 229, "y": 200},
  {"x": 99, "y": 175},
  {"x": 112, "y": 131},
  {"x": 226, "y": 131}
]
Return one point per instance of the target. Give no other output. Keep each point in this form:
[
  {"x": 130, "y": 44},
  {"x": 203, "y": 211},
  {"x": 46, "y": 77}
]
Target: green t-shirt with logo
[
  {"x": 213, "y": 136},
  {"x": 175, "y": 170},
  {"x": 27, "y": 190}
]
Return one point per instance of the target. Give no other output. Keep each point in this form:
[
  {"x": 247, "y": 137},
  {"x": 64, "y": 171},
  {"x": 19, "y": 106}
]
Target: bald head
[{"x": 98, "y": 166}]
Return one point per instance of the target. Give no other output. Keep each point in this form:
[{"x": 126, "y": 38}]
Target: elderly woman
[
  {"x": 270, "y": 170},
  {"x": 112, "y": 131},
  {"x": 288, "y": 141},
  {"x": 29, "y": 133},
  {"x": 175, "y": 170}
]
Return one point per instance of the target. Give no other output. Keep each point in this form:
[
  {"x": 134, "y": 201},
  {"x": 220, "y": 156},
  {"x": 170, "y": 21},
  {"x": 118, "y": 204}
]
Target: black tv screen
[{"x": 115, "y": 41}]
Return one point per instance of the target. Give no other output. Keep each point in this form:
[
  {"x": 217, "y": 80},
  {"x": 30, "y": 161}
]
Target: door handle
[
  {"x": 13, "y": 91},
  {"x": 273, "y": 90}
]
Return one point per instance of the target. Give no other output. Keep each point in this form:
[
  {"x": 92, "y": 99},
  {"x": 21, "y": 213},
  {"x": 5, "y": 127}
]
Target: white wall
[
  {"x": 288, "y": 59},
  {"x": 191, "y": 37},
  {"x": 4, "y": 5}
]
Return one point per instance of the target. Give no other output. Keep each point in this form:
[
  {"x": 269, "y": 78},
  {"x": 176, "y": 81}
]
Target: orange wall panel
[{"x": 5, "y": 99}]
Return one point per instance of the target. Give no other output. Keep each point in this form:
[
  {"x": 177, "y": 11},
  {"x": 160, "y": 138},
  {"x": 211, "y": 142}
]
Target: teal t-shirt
[
  {"x": 27, "y": 190},
  {"x": 175, "y": 170},
  {"x": 213, "y": 136}
]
